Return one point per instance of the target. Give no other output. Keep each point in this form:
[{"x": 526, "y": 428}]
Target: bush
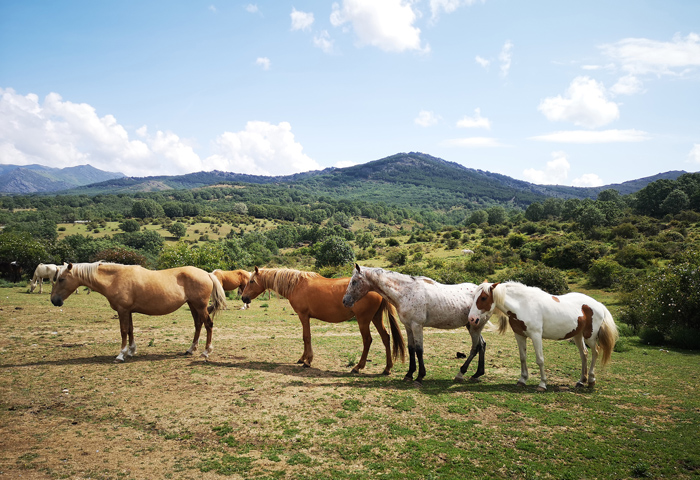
[
  {"x": 548, "y": 279},
  {"x": 334, "y": 251},
  {"x": 633, "y": 256},
  {"x": 651, "y": 336},
  {"x": 120, "y": 255},
  {"x": 604, "y": 273}
]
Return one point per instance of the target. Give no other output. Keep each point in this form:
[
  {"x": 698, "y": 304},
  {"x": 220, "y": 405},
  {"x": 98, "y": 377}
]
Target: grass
[{"x": 67, "y": 411}]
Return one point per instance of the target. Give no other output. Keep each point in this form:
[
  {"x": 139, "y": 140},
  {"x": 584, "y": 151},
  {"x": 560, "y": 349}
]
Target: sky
[{"x": 551, "y": 92}]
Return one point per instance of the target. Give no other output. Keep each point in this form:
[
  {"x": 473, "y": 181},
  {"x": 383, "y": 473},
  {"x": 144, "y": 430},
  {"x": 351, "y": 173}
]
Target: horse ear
[
  {"x": 256, "y": 269},
  {"x": 69, "y": 267},
  {"x": 493, "y": 286},
  {"x": 357, "y": 267}
]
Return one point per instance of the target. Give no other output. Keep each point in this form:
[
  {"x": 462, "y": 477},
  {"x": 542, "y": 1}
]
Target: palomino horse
[
  {"x": 42, "y": 271},
  {"x": 233, "y": 279},
  {"x": 535, "y": 314},
  {"x": 314, "y": 296},
  {"x": 133, "y": 289},
  {"x": 422, "y": 302}
]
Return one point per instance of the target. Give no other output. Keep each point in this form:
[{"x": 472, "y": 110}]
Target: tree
[
  {"x": 147, "y": 208},
  {"x": 333, "y": 252},
  {"x": 534, "y": 212},
  {"x": 178, "y": 229},
  {"x": 675, "y": 202},
  {"x": 497, "y": 215},
  {"x": 364, "y": 240},
  {"x": 130, "y": 225},
  {"x": 478, "y": 217}
]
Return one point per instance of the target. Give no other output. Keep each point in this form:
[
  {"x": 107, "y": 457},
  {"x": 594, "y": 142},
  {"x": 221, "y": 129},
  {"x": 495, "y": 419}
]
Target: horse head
[
  {"x": 358, "y": 287},
  {"x": 483, "y": 303},
  {"x": 254, "y": 287},
  {"x": 65, "y": 283}
]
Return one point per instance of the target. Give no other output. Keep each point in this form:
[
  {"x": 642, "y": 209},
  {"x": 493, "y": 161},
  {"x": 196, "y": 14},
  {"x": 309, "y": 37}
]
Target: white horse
[
  {"x": 535, "y": 314},
  {"x": 422, "y": 302},
  {"x": 42, "y": 271}
]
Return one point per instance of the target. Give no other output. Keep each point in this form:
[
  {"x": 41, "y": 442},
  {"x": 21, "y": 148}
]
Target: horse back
[
  {"x": 322, "y": 298},
  {"x": 566, "y": 316}
]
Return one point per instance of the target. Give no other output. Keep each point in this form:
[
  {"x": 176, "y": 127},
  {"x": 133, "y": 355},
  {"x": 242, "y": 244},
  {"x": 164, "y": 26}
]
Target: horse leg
[
  {"x": 591, "y": 371},
  {"x": 418, "y": 335},
  {"x": 522, "y": 349},
  {"x": 366, "y": 342},
  {"x": 198, "y": 321},
  {"x": 411, "y": 355},
  {"x": 478, "y": 346},
  {"x": 124, "y": 324},
  {"x": 209, "y": 325},
  {"x": 386, "y": 340},
  {"x": 41, "y": 285},
  {"x": 308, "y": 354},
  {"x": 132, "y": 343},
  {"x": 578, "y": 339},
  {"x": 539, "y": 358}
]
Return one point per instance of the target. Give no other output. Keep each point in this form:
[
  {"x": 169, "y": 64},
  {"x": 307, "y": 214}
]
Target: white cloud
[
  {"x": 694, "y": 154},
  {"x": 426, "y": 118},
  {"x": 252, "y": 8},
  {"x": 213, "y": 9},
  {"x": 477, "y": 121},
  {"x": 555, "y": 173},
  {"x": 301, "y": 20},
  {"x": 324, "y": 42},
  {"x": 387, "y": 25},
  {"x": 261, "y": 149},
  {"x": 640, "y": 56},
  {"x": 505, "y": 58},
  {"x": 585, "y": 104},
  {"x": 263, "y": 62},
  {"x": 627, "y": 85},
  {"x": 447, "y": 6},
  {"x": 483, "y": 62},
  {"x": 588, "y": 136},
  {"x": 62, "y": 134},
  {"x": 588, "y": 180},
  {"x": 472, "y": 142}
]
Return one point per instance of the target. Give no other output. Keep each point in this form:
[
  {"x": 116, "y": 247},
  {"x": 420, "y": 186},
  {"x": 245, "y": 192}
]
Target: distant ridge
[
  {"x": 403, "y": 178},
  {"x": 27, "y": 179}
]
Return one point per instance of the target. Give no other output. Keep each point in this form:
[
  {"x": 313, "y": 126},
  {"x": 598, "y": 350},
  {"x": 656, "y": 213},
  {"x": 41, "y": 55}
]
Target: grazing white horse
[
  {"x": 422, "y": 302},
  {"x": 42, "y": 271},
  {"x": 535, "y": 314}
]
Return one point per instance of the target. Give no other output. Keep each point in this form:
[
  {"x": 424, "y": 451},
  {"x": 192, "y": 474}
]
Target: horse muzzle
[
  {"x": 246, "y": 299},
  {"x": 57, "y": 301},
  {"x": 348, "y": 301}
]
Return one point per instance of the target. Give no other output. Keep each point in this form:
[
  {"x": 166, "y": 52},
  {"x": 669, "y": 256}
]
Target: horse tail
[
  {"x": 607, "y": 336},
  {"x": 399, "y": 347},
  {"x": 218, "y": 296}
]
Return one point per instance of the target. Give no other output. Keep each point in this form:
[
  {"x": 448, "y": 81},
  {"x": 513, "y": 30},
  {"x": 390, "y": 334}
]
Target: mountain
[
  {"x": 410, "y": 179},
  {"x": 17, "y": 179}
]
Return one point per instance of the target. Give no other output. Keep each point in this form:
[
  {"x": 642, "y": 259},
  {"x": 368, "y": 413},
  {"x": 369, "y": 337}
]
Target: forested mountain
[
  {"x": 410, "y": 179},
  {"x": 17, "y": 179}
]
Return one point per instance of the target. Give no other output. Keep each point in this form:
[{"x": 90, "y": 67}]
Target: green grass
[{"x": 252, "y": 412}]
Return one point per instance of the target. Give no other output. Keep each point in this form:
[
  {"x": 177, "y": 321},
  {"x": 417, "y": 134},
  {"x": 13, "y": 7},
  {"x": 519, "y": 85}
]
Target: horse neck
[
  {"x": 99, "y": 281},
  {"x": 269, "y": 283},
  {"x": 511, "y": 299},
  {"x": 388, "y": 286}
]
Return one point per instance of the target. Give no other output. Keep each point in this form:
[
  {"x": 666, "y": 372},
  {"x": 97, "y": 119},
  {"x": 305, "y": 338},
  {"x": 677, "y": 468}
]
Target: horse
[
  {"x": 535, "y": 314},
  {"x": 11, "y": 270},
  {"x": 422, "y": 302},
  {"x": 133, "y": 289},
  {"x": 42, "y": 271},
  {"x": 314, "y": 296},
  {"x": 233, "y": 279}
]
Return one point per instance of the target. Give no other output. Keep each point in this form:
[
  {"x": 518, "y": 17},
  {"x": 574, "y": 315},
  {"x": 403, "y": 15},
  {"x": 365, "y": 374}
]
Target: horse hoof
[
  {"x": 187, "y": 352},
  {"x": 354, "y": 372},
  {"x": 541, "y": 389},
  {"x": 300, "y": 362},
  {"x": 474, "y": 379},
  {"x": 520, "y": 384},
  {"x": 579, "y": 385},
  {"x": 458, "y": 380},
  {"x": 118, "y": 360},
  {"x": 407, "y": 378},
  {"x": 591, "y": 384},
  {"x": 417, "y": 384},
  {"x": 306, "y": 365},
  {"x": 386, "y": 372}
]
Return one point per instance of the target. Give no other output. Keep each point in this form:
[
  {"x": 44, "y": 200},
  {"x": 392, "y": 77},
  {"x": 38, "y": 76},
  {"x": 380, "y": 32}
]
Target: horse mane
[
  {"x": 86, "y": 272},
  {"x": 283, "y": 280}
]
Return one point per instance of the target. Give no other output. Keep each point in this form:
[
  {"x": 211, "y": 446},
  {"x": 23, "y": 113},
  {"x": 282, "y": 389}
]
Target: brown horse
[
  {"x": 233, "y": 279},
  {"x": 134, "y": 289},
  {"x": 314, "y": 296}
]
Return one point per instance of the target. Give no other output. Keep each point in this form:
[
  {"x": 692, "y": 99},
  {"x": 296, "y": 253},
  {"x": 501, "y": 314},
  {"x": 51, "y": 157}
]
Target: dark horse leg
[
  {"x": 200, "y": 315},
  {"x": 126, "y": 328},
  {"x": 480, "y": 348},
  {"x": 386, "y": 340},
  {"x": 363, "y": 324},
  {"x": 411, "y": 355},
  {"x": 308, "y": 355}
]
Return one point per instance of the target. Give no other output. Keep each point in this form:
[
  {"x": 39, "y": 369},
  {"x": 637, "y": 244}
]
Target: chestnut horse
[
  {"x": 134, "y": 289},
  {"x": 422, "y": 302},
  {"x": 314, "y": 296},
  {"x": 536, "y": 314},
  {"x": 233, "y": 279}
]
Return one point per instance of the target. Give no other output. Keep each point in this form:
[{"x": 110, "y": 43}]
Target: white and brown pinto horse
[
  {"x": 314, "y": 296},
  {"x": 422, "y": 302},
  {"x": 42, "y": 271},
  {"x": 232, "y": 280},
  {"x": 133, "y": 289},
  {"x": 535, "y": 314}
]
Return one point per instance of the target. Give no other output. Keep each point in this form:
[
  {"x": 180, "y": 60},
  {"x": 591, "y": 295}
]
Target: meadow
[{"x": 68, "y": 411}]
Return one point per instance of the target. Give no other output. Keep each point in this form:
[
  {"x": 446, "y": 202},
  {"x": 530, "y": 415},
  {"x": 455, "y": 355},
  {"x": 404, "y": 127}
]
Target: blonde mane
[
  {"x": 85, "y": 272},
  {"x": 283, "y": 280}
]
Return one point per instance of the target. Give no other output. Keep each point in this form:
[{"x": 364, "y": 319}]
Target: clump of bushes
[{"x": 548, "y": 279}]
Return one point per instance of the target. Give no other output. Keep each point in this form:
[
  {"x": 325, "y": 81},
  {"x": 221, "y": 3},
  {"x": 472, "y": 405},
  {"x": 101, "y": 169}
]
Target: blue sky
[{"x": 572, "y": 93}]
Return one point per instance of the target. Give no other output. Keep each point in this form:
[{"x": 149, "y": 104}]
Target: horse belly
[{"x": 562, "y": 324}]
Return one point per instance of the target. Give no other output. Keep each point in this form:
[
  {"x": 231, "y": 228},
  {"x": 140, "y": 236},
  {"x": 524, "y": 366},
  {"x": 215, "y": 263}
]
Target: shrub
[
  {"x": 604, "y": 272},
  {"x": 334, "y": 251},
  {"x": 633, "y": 256},
  {"x": 548, "y": 279},
  {"x": 124, "y": 256}
]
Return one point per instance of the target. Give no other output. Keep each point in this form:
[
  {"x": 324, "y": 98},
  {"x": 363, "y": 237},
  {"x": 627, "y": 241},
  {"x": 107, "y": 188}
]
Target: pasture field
[{"x": 67, "y": 411}]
